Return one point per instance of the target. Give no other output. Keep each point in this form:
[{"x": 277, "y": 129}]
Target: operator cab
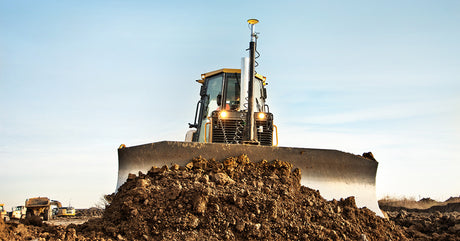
[{"x": 221, "y": 105}]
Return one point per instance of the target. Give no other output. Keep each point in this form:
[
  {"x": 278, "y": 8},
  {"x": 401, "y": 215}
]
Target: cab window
[
  {"x": 232, "y": 101},
  {"x": 213, "y": 89}
]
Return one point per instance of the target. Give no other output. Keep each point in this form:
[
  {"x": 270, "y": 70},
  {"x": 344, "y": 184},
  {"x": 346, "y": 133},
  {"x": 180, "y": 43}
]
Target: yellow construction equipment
[
  {"x": 65, "y": 212},
  {"x": 41, "y": 207},
  {"x": 232, "y": 118},
  {"x": 3, "y": 213},
  {"x": 18, "y": 212}
]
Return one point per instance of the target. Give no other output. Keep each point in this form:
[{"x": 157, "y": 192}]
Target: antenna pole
[{"x": 251, "y": 137}]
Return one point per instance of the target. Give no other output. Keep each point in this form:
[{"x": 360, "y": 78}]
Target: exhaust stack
[{"x": 244, "y": 83}]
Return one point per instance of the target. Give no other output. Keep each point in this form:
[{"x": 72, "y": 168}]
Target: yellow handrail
[{"x": 276, "y": 131}]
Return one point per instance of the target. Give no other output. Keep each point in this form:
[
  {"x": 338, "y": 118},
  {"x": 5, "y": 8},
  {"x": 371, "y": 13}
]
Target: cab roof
[{"x": 226, "y": 70}]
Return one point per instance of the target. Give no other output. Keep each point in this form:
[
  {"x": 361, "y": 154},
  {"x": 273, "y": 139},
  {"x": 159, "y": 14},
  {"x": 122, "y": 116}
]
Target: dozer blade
[{"x": 334, "y": 173}]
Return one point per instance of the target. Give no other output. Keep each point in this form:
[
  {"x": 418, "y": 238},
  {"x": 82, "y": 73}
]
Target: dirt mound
[
  {"x": 231, "y": 200},
  {"x": 440, "y": 221},
  {"x": 236, "y": 200},
  {"x": 433, "y": 206},
  {"x": 33, "y": 220},
  {"x": 453, "y": 200},
  {"x": 89, "y": 212},
  {"x": 428, "y": 225},
  {"x": 14, "y": 231},
  {"x": 449, "y": 207},
  {"x": 426, "y": 200}
]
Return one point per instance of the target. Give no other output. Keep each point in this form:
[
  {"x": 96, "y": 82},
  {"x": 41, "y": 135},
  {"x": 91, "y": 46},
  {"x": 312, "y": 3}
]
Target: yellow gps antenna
[{"x": 253, "y": 21}]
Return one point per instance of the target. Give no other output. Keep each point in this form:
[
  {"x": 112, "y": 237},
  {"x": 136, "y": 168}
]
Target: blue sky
[{"x": 79, "y": 78}]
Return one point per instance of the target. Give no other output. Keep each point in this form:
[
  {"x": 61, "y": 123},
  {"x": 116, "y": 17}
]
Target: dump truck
[
  {"x": 232, "y": 118},
  {"x": 41, "y": 207}
]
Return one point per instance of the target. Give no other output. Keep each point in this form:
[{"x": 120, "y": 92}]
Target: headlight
[
  {"x": 223, "y": 114},
  {"x": 261, "y": 115}
]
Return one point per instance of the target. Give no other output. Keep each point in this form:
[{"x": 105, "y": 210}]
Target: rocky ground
[
  {"x": 89, "y": 212},
  {"x": 426, "y": 219},
  {"x": 232, "y": 200}
]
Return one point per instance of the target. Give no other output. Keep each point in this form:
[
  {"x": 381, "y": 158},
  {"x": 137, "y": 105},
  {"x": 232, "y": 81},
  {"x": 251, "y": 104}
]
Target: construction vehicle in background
[
  {"x": 3, "y": 213},
  {"x": 41, "y": 207},
  {"x": 18, "y": 212},
  {"x": 232, "y": 118},
  {"x": 65, "y": 212}
]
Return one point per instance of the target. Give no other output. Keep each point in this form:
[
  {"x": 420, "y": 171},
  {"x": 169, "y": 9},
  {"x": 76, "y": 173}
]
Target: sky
[{"x": 79, "y": 78}]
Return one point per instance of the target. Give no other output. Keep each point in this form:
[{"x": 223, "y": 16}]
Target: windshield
[
  {"x": 232, "y": 101},
  {"x": 214, "y": 87}
]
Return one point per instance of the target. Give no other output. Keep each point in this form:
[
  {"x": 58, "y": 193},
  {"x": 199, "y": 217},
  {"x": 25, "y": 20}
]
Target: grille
[
  {"x": 266, "y": 136},
  {"x": 231, "y": 130},
  {"x": 227, "y": 131}
]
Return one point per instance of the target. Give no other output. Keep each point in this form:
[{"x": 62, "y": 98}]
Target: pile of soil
[
  {"x": 428, "y": 225},
  {"x": 440, "y": 221},
  {"x": 445, "y": 208},
  {"x": 231, "y": 200},
  {"x": 89, "y": 212},
  {"x": 38, "y": 231},
  {"x": 423, "y": 205},
  {"x": 426, "y": 219},
  {"x": 14, "y": 231}
]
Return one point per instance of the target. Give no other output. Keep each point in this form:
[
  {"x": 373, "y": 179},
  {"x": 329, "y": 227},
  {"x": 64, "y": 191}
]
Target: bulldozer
[{"x": 232, "y": 118}]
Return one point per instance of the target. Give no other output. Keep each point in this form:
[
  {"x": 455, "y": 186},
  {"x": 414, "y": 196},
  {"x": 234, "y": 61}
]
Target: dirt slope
[
  {"x": 231, "y": 200},
  {"x": 235, "y": 199}
]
